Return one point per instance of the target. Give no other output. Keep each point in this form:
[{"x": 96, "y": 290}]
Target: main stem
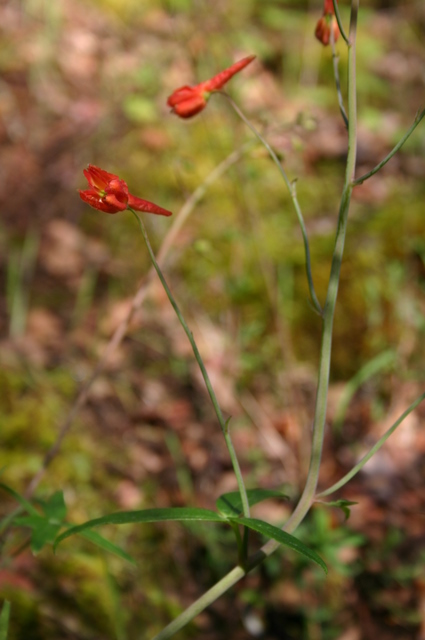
[
  {"x": 307, "y": 497},
  {"x": 332, "y": 293}
]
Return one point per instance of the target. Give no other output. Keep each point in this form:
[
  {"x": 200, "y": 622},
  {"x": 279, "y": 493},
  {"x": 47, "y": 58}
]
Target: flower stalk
[
  {"x": 223, "y": 423},
  {"x": 291, "y": 186},
  {"x": 420, "y": 115}
]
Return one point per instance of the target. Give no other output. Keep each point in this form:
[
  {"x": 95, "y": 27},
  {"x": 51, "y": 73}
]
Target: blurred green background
[{"x": 87, "y": 82}]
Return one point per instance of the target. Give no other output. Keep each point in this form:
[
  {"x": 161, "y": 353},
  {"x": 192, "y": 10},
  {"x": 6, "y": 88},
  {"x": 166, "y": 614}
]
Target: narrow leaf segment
[
  {"x": 282, "y": 537},
  {"x": 230, "y": 504},
  {"x": 183, "y": 514},
  {"x": 178, "y": 514}
]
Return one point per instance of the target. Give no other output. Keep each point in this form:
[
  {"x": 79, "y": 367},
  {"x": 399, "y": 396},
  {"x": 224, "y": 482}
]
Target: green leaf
[
  {"x": 271, "y": 531},
  {"x": 344, "y": 505},
  {"x": 55, "y": 507},
  {"x": 230, "y": 504},
  {"x": 180, "y": 514},
  {"x": 22, "y": 501},
  {"x": 44, "y": 534},
  {"x": 30, "y": 521},
  {"x": 43, "y": 531},
  {"x": 4, "y": 620},
  {"x": 104, "y": 544}
]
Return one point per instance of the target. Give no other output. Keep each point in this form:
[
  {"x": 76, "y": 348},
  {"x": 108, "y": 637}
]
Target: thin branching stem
[
  {"x": 292, "y": 192},
  {"x": 420, "y": 115},
  {"x": 372, "y": 451},
  {"x": 224, "y": 424},
  {"x": 335, "y": 61},
  {"x": 339, "y": 21},
  {"x": 307, "y": 497}
]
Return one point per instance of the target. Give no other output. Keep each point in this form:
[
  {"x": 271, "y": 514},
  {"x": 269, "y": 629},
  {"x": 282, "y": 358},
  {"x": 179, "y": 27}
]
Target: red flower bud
[
  {"x": 110, "y": 194},
  {"x": 188, "y": 101},
  {"x": 326, "y": 23},
  {"x": 328, "y": 8},
  {"x": 323, "y": 29}
]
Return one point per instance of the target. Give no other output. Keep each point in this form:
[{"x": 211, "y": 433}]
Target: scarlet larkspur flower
[
  {"x": 188, "y": 101},
  {"x": 110, "y": 194},
  {"x": 327, "y": 23}
]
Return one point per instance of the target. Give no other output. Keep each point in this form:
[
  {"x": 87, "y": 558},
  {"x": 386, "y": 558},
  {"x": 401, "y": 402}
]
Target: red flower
[
  {"x": 188, "y": 101},
  {"x": 326, "y": 23},
  {"x": 110, "y": 194}
]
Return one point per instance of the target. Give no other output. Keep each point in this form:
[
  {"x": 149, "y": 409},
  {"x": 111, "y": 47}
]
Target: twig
[
  {"x": 291, "y": 186},
  {"x": 398, "y": 146},
  {"x": 224, "y": 424},
  {"x": 373, "y": 450},
  {"x": 339, "y": 21},
  {"x": 335, "y": 60}
]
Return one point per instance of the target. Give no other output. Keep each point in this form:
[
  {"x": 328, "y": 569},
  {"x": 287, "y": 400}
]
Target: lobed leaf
[
  {"x": 43, "y": 531},
  {"x": 55, "y": 507}
]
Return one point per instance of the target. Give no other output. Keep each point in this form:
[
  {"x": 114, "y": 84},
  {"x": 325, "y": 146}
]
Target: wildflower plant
[{"x": 109, "y": 193}]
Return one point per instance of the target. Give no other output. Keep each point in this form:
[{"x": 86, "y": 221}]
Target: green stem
[
  {"x": 339, "y": 21},
  {"x": 335, "y": 60},
  {"x": 221, "y": 587},
  {"x": 307, "y": 496},
  {"x": 372, "y": 452},
  {"x": 223, "y": 423},
  {"x": 398, "y": 146},
  {"x": 202, "y": 603},
  {"x": 292, "y": 192},
  {"x": 240, "y": 543}
]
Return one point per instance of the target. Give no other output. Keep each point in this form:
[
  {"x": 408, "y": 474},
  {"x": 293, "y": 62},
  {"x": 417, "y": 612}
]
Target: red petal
[
  {"x": 328, "y": 7},
  {"x": 182, "y": 94},
  {"x": 92, "y": 198},
  {"x": 116, "y": 203},
  {"x": 191, "y": 107},
  {"x": 323, "y": 30},
  {"x": 218, "y": 81},
  {"x": 98, "y": 178},
  {"x": 117, "y": 192},
  {"x": 144, "y": 205}
]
